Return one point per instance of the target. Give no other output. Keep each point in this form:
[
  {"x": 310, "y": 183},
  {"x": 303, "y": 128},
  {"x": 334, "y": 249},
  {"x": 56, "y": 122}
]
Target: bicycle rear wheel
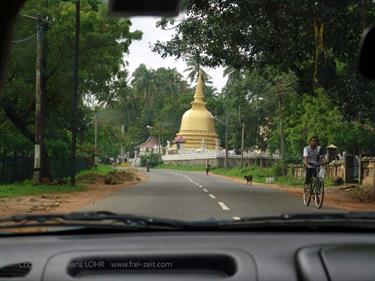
[
  {"x": 307, "y": 195},
  {"x": 319, "y": 192}
]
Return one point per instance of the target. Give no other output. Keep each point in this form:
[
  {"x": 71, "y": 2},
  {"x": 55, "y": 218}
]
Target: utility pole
[
  {"x": 281, "y": 129},
  {"x": 242, "y": 142},
  {"x": 226, "y": 136},
  {"x": 159, "y": 138},
  {"x": 226, "y": 140},
  {"x": 96, "y": 139},
  {"x": 39, "y": 103},
  {"x": 75, "y": 95},
  {"x": 122, "y": 147}
]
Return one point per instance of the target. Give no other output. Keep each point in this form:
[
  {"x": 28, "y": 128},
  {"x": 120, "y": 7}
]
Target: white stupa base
[{"x": 192, "y": 154}]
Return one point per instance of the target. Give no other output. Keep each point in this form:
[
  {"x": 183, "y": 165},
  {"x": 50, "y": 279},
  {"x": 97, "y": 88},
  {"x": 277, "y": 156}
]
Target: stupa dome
[{"x": 197, "y": 123}]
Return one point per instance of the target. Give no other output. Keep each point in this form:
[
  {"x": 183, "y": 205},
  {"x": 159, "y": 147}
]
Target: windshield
[{"x": 231, "y": 110}]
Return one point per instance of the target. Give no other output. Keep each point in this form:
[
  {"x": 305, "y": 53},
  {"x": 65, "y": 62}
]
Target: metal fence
[{"x": 16, "y": 169}]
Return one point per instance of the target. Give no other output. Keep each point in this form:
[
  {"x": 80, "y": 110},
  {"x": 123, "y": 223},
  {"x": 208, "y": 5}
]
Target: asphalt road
[{"x": 196, "y": 196}]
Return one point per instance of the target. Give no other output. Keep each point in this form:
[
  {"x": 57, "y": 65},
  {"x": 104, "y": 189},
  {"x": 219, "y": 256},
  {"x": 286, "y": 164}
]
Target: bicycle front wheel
[
  {"x": 319, "y": 192},
  {"x": 307, "y": 195}
]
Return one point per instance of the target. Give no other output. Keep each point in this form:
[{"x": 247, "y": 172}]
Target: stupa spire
[{"x": 198, "y": 95}]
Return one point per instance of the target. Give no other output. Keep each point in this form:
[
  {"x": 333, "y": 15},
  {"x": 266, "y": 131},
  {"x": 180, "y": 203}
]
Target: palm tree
[
  {"x": 144, "y": 84},
  {"x": 193, "y": 67},
  {"x": 234, "y": 75},
  {"x": 171, "y": 81}
]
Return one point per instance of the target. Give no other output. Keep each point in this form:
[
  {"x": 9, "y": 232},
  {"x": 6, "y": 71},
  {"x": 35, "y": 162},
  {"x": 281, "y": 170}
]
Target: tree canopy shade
[
  {"x": 251, "y": 98},
  {"x": 290, "y": 69},
  {"x": 104, "y": 41},
  {"x": 244, "y": 34},
  {"x": 239, "y": 33}
]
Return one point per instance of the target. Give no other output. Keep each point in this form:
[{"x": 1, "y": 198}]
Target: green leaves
[
  {"x": 194, "y": 67},
  {"x": 103, "y": 43},
  {"x": 156, "y": 98},
  {"x": 255, "y": 98},
  {"x": 257, "y": 34},
  {"x": 317, "y": 115}
]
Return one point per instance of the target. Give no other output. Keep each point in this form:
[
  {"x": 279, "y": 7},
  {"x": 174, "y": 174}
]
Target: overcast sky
[{"x": 140, "y": 51}]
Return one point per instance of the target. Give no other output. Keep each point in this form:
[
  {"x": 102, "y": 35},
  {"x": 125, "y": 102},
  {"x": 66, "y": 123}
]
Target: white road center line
[
  {"x": 193, "y": 182},
  {"x": 223, "y": 206},
  {"x": 212, "y": 196},
  {"x": 237, "y": 218}
]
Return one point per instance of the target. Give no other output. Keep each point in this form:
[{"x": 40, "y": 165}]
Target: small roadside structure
[{"x": 150, "y": 145}]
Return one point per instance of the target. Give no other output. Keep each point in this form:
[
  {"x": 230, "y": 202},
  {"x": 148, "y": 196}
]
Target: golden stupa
[{"x": 197, "y": 124}]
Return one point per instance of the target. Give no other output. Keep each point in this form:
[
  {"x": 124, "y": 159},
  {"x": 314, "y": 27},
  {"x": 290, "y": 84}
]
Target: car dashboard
[{"x": 190, "y": 256}]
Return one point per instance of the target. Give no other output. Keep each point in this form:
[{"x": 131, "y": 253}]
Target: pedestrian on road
[
  {"x": 208, "y": 165},
  {"x": 148, "y": 165}
]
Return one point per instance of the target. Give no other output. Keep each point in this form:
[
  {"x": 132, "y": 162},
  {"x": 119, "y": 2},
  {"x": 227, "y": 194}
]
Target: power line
[{"x": 25, "y": 39}]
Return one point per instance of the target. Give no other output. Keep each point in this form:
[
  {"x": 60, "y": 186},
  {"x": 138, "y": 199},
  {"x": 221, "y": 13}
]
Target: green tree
[
  {"x": 317, "y": 115},
  {"x": 234, "y": 75},
  {"x": 244, "y": 34},
  {"x": 194, "y": 66},
  {"x": 104, "y": 41},
  {"x": 171, "y": 97}
]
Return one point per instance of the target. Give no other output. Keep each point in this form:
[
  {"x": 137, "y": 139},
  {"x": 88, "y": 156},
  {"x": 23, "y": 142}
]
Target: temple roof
[{"x": 149, "y": 143}]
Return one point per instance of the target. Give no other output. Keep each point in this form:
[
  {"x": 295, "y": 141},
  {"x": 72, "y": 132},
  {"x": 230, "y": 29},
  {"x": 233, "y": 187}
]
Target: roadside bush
[
  {"x": 259, "y": 174},
  {"x": 154, "y": 158},
  {"x": 338, "y": 180},
  {"x": 277, "y": 169},
  {"x": 364, "y": 194}
]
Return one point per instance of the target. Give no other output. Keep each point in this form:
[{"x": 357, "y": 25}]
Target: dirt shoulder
[
  {"x": 341, "y": 197},
  {"x": 95, "y": 189}
]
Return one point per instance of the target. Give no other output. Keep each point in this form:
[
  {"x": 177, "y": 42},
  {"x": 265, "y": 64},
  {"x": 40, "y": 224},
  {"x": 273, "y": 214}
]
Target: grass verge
[
  {"x": 100, "y": 170},
  {"x": 27, "y": 187},
  {"x": 259, "y": 174},
  {"x": 195, "y": 168}
]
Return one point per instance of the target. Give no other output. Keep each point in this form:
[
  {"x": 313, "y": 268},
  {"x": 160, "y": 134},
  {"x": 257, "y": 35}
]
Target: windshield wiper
[
  {"x": 363, "y": 219},
  {"x": 91, "y": 219},
  {"x": 336, "y": 216},
  {"x": 123, "y": 222}
]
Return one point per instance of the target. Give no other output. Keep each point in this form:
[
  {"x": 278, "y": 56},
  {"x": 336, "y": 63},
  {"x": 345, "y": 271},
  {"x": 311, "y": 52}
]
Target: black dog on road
[{"x": 249, "y": 179}]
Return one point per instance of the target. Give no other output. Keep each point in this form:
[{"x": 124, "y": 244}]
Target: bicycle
[{"x": 316, "y": 188}]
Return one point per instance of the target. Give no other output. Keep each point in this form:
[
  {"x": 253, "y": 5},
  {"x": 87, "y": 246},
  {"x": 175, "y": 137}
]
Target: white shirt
[{"x": 312, "y": 154}]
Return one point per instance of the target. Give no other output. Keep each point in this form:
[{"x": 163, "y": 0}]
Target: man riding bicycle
[{"x": 313, "y": 157}]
